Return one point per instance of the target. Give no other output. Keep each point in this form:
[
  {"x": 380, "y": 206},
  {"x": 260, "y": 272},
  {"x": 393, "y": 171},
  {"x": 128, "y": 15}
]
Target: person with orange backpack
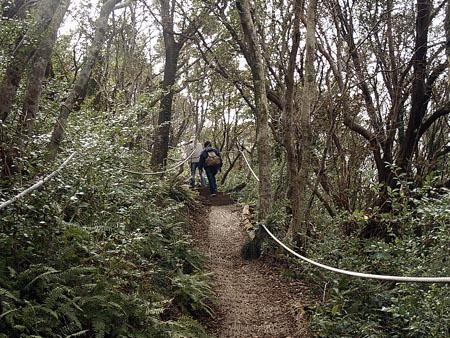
[{"x": 211, "y": 161}]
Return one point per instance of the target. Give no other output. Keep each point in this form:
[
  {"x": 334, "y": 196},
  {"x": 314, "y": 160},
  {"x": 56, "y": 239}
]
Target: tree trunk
[
  {"x": 256, "y": 63},
  {"x": 290, "y": 129},
  {"x": 14, "y": 72},
  {"x": 78, "y": 92},
  {"x": 37, "y": 72},
  {"x": 298, "y": 228},
  {"x": 419, "y": 98},
  {"x": 172, "y": 49},
  {"x": 447, "y": 39}
]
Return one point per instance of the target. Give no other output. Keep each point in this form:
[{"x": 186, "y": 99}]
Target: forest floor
[{"x": 253, "y": 299}]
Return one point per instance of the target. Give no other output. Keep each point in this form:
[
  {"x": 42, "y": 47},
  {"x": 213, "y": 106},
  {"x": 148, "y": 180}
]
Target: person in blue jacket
[{"x": 211, "y": 161}]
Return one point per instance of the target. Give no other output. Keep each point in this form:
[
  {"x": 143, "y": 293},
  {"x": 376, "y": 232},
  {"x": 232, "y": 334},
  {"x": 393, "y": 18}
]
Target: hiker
[
  {"x": 211, "y": 161},
  {"x": 197, "y": 149}
]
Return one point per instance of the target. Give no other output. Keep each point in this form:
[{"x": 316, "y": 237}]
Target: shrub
[
  {"x": 101, "y": 252},
  {"x": 355, "y": 307}
]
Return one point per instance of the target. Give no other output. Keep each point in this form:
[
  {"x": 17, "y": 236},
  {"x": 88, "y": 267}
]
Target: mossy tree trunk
[
  {"x": 25, "y": 49},
  {"x": 300, "y": 163},
  {"x": 256, "y": 62},
  {"x": 37, "y": 71}
]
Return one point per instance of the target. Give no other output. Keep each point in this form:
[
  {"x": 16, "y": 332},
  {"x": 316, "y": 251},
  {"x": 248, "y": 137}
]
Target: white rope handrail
[
  {"x": 163, "y": 171},
  {"x": 37, "y": 184},
  {"x": 359, "y": 274},
  {"x": 249, "y": 166},
  {"x": 347, "y": 272}
]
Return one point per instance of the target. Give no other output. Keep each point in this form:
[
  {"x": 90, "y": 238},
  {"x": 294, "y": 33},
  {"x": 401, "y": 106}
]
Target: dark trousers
[{"x": 211, "y": 174}]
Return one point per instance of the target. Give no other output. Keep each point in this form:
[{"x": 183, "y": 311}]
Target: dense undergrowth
[
  {"x": 416, "y": 243},
  {"x": 100, "y": 252}
]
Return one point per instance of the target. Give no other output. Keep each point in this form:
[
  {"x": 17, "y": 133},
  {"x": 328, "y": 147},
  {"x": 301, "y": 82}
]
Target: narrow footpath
[{"x": 253, "y": 300}]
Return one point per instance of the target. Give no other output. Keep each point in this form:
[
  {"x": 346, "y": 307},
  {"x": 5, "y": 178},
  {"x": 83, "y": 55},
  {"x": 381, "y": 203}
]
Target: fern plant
[
  {"x": 193, "y": 293},
  {"x": 99, "y": 251}
]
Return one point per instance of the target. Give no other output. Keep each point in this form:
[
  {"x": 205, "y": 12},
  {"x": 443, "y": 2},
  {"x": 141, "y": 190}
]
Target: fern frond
[
  {"x": 76, "y": 272},
  {"x": 56, "y": 296},
  {"x": 77, "y": 334},
  {"x": 186, "y": 327},
  {"x": 41, "y": 309},
  {"x": 4, "y": 314},
  {"x": 21, "y": 328},
  {"x": 99, "y": 326},
  {"x": 7, "y": 294},
  {"x": 49, "y": 271},
  {"x": 72, "y": 330}
]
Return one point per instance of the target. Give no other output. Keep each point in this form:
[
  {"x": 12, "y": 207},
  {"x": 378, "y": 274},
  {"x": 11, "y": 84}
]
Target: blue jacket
[{"x": 202, "y": 163}]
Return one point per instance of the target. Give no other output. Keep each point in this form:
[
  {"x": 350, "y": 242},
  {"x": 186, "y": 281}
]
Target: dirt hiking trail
[{"x": 253, "y": 300}]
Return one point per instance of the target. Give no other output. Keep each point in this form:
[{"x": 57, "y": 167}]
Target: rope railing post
[
  {"x": 411, "y": 279},
  {"x": 37, "y": 184}
]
